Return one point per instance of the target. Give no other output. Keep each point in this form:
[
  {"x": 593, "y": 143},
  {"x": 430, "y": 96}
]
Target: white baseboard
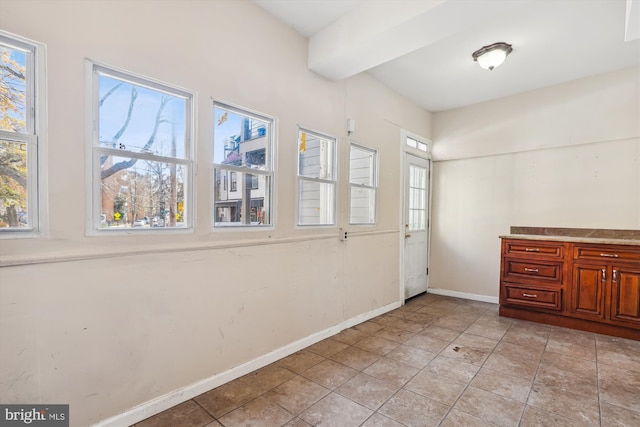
[
  {"x": 465, "y": 295},
  {"x": 173, "y": 398}
]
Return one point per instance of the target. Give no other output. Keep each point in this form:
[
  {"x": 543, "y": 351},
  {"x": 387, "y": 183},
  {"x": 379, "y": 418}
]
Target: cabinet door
[
  {"x": 587, "y": 292},
  {"x": 625, "y": 295}
]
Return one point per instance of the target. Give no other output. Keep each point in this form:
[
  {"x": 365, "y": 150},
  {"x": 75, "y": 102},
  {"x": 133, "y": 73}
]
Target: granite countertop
[{"x": 579, "y": 235}]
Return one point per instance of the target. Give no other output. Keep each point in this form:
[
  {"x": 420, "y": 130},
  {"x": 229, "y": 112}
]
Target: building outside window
[
  {"x": 21, "y": 136},
  {"x": 316, "y": 178},
  {"x": 363, "y": 184},
  {"x": 242, "y": 146},
  {"x": 142, "y": 152}
]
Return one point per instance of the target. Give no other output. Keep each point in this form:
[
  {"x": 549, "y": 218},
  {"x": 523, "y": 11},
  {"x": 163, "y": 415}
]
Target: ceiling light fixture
[{"x": 489, "y": 57}]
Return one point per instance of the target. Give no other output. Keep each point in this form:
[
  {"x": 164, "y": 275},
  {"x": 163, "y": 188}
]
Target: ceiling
[{"x": 422, "y": 48}]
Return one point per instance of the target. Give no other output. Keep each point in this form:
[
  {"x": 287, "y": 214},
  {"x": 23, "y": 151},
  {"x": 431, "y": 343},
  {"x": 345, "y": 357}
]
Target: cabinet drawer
[
  {"x": 530, "y": 296},
  {"x": 604, "y": 253},
  {"x": 518, "y": 270},
  {"x": 534, "y": 249}
]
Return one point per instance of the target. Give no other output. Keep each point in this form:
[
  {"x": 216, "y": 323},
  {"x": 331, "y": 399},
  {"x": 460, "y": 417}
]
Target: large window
[
  {"x": 362, "y": 182},
  {"x": 142, "y": 153},
  {"x": 316, "y": 179},
  {"x": 21, "y": 129},
  {"x": 242, "y": 150}
]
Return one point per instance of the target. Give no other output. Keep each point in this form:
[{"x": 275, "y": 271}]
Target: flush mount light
[{"x": 489, "y": 57}]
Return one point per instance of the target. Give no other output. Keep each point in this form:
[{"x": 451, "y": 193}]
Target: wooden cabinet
[
  {"x": 532, "y": 274},
  {"x": 625, "y": 294},
  {"x": 587, "y": 286},
  {"x": 606, "y": 284}
]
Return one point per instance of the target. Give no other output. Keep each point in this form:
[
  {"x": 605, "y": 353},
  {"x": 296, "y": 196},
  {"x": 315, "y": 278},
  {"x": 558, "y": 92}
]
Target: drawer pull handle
[
  {"x": 532, "y": 249},
  {"x": 609, "y": 255},
  {"x": 531, "y": 270},
  {"x": 614, "y": 277},
  {"x": 604, "y": 275},
  {"x": 530, "y": 295}
]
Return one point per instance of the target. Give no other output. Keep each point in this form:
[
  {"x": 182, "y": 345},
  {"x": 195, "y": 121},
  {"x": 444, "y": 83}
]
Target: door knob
[{"x": 407, "y": 235}]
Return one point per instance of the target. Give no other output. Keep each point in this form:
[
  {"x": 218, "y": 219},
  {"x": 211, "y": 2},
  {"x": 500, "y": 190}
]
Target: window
[
  {"x": 21, "y": 136},
  {"x": 417, "y": 206},
  {"x": 242, "y": 148},
  {"x": 142, "y": 153},
  {"x": 234, "y": 181},
  {"x": 363, "y": 183},
  {"x": 316, "y": 179},
  {"x": 413, "y": 142}
]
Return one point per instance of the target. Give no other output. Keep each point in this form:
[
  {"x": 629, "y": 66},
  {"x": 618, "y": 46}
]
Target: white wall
[
  {"x": 108, "y": 323},
  {"x": 564, "y": 156}
]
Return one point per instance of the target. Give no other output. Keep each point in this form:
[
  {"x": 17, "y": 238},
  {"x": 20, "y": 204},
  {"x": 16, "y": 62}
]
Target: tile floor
[{"x": 436, "y": 361}]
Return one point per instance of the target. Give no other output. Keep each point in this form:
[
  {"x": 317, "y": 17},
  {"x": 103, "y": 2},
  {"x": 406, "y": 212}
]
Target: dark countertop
[{"x": 579, "y": 235}]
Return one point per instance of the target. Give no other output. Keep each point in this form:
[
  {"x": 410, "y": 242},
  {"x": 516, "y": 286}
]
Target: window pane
[
  {"x": 411, "y": 142},
  {"x": 362, "y": 205},
  {"x": 362, "y": 165},
  {"x": 316, "y": 203},
  {"x": 417, "y": 197},
  {"x": 143, "y": 194},
  {"x": 140, "y": 119},
  {"x": 233, "y": 206},
  {"x": 241, "y": 140},
  {"x": 316, "y": 156},
  {"x": 13, "y": 89},
  {"x": 13, "y": 185}
]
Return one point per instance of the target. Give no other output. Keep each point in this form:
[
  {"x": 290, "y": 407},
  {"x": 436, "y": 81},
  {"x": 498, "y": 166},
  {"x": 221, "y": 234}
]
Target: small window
[
  {"x": 414, "y": 143},
  {"x": 142, "y": 161},
  {"x": 242, "y": 148},
  {"x": 363, "y": 184},
  {"x": 316, "y": 179},
  {"x": 21, "y": 98},
  {"x": 234, "y": 181}
]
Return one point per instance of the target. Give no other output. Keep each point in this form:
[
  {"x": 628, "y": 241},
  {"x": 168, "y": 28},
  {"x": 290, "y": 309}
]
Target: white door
[{"x": 416, "y": 225}]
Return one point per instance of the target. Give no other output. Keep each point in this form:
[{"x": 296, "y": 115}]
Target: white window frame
[
  {"x": 268, "y": 172},
  {"x": 35, "y": 137},
  {"x": 416, "y": 144},
  {"x": 94, "y": 208},
  {"x": 333, "y": 181},
  {"x": 373, "y": 187}
]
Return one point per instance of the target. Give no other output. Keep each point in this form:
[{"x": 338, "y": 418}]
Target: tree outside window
[{"x": 143, "y": 152}]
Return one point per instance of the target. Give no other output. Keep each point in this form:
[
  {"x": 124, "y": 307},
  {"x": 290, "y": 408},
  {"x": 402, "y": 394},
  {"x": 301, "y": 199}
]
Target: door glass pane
[{"x": 417, "y": 198}]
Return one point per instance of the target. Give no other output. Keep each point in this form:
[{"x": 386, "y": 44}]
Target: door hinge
[{"x": 427, "y": 271}]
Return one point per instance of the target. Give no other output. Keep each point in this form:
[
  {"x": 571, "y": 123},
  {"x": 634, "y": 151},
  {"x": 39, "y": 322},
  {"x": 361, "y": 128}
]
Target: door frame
[{"x": 404, "y": 151}]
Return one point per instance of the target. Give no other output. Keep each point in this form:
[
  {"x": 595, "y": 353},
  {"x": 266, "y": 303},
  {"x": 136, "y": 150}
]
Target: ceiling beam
[{"x": 378, "y": 32}]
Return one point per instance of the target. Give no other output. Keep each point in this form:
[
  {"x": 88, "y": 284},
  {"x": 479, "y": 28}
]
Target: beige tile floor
[{"x": 436, "y": 361}]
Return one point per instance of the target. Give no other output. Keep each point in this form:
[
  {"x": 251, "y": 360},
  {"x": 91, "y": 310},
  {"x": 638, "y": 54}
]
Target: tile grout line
[
  {"x": 474, "y": 376},
  {"x": 598, "y": 381}
]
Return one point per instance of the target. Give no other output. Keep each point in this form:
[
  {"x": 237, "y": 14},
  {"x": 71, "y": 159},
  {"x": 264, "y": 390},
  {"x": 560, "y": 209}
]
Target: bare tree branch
[
  {"x": 14, "y": 73},
  {"x": 125, "y": 125},
  {"x": 108, "y": 94},
  {"x": 125, "y": 164},
  {"x": 165, "y": 100},
  {"x": 13, "y": 174}
]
